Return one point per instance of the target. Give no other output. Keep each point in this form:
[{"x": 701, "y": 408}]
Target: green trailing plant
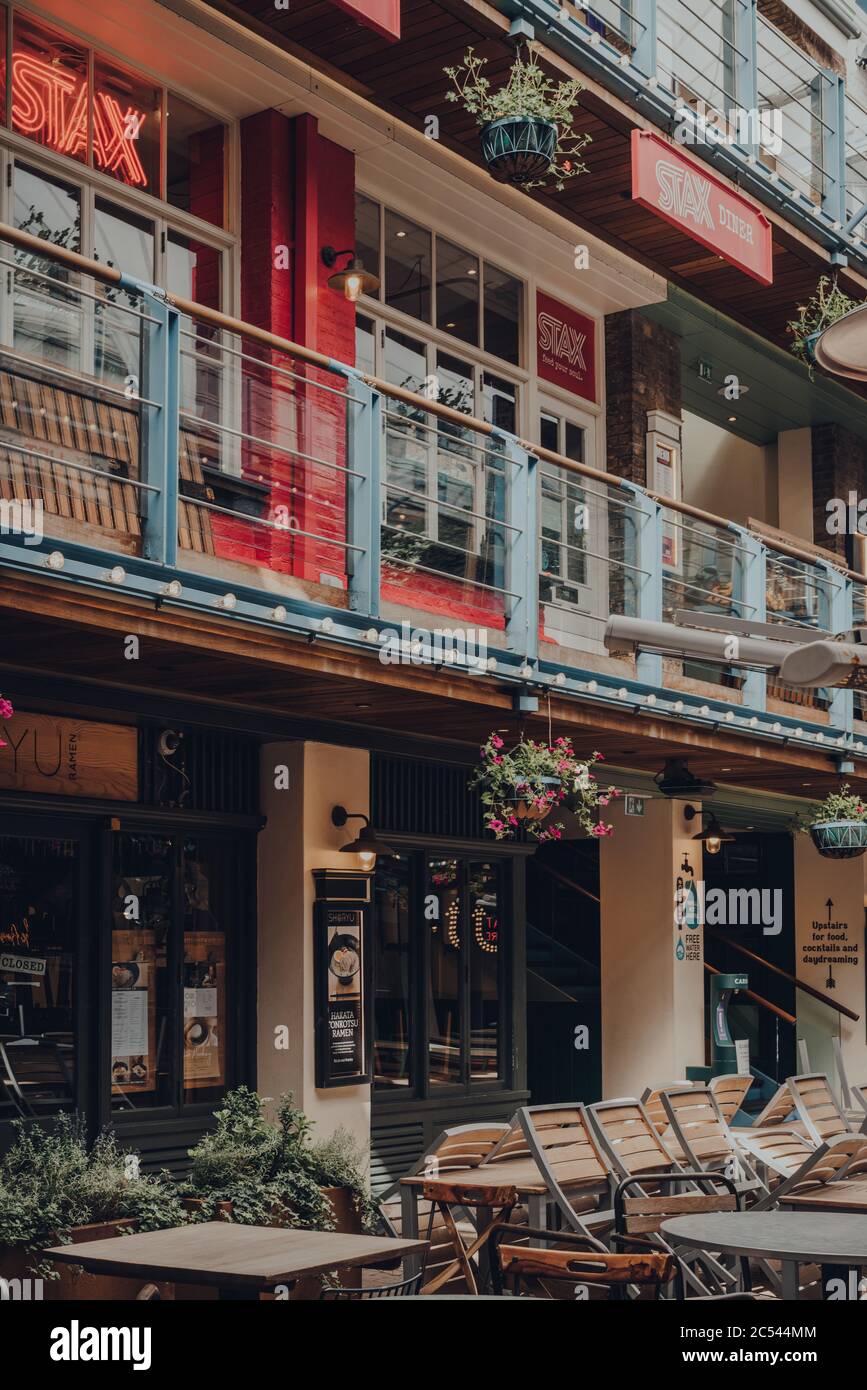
[
  {"x": 522, "y": 785},
  {"x": 838, "y": 805},
  {"x": 266, "y": 1171},
  {"x": 51, "y": 1181},
  {"x": 825, "y": 306},
  {"x": 339, "y": 1162},
  {"x": 528, "y": 92}
]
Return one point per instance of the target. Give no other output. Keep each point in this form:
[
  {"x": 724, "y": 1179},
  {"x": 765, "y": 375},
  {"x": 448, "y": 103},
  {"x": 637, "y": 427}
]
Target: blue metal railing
[{"x": 171, "y": 482}]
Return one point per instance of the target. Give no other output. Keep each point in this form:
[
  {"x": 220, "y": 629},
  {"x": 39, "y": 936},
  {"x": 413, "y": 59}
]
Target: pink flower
[
  {"x": 496, "y": 741},
  {"x": 497, "y": 758},
  {"x": 495, "y": 824},
  {"x": 6, "y": 710},
  {"x": 604, "y": 800},
  {"x": 513, "y": 820}
]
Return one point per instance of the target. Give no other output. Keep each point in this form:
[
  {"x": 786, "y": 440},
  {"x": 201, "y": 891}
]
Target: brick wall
[
  {"x": 839, "y": 466},
  {"x": 642, "y": 372},
  {"x": 801, "y": 34}
]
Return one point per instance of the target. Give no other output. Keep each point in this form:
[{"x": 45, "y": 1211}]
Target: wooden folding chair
[
  {"x": 817, "y": 1108},
  {"x": 730, "y": 1091},
  {"x": 799, "y": 1169},
  {"x": 778, "y": 1113},
  {"x": 500, "y": 1201},
  {"x": 702, "y": 1134},
  {"x": 569, "y": 1158},
  {"x": 461, "y": 1146}
]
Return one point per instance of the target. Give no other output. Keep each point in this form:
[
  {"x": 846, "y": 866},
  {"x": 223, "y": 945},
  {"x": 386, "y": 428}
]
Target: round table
[{"x": 837, "y": 1242}]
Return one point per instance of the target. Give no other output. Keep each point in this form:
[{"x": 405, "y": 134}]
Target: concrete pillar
[
  {"x": 829, "y": 943},
  {"x": 652, "y": 1001},
  {"x": 795, "y": 483},
  {"x": 298, "y": 838}
]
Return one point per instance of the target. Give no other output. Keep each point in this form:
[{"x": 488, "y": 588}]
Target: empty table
[
  {"x": 829, "y": 1239},
  {"x": 242, "y": 1261}
]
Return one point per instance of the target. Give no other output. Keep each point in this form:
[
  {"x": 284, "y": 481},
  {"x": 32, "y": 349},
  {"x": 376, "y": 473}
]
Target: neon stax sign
[
  {"x": 51, "y": 104},
  {"x": 564, "y": 341}
]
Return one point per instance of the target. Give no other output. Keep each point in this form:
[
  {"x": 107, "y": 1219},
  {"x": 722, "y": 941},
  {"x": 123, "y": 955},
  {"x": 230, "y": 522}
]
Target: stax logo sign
[
  {"x": 51, "y": 105},
  {"x": 689, "y": 196},
  {"x": 565, "y": 347}
]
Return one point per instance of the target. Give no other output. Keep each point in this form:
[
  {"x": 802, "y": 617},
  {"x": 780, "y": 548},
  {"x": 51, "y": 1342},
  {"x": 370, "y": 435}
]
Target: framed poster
[
  {"x": 204, "y": 1009},
  {"x": 343, "y": 992},
  {"x": 133, "y": 1011}
]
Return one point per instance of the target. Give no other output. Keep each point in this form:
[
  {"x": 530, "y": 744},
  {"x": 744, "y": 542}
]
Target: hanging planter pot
[
  {"x": 840, "y": 839},
  {"x": 519, "y": 149},
  {"x": 526, "y": 799}
]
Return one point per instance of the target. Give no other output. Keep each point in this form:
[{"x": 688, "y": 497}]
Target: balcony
[{"x": 156, "y": 447}]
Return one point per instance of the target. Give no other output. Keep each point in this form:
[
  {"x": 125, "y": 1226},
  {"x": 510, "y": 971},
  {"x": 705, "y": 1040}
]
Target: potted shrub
[
  {"x": 55, "y": 1190},
  {"x": 828, "y": 304},
  {"x": 521, "y": 786},
  {"x": 526, "y": 124},
  {"x": 838, "y": 827},
  {"x": 340, "y": 1170}
]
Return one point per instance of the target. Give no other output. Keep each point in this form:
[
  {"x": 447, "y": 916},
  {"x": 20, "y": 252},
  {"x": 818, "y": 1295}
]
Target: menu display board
[
  {"x": 133, "y": 1011},
  {"x": 342, "y": 993},
  {"x": 204, "y": 1009}
]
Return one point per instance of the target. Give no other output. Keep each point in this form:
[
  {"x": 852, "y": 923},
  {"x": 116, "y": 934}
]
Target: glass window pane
[
  {"x": 365, "y": 344},
  {"x": 549, "y": 433},
  {"x": 142, "y": 1026},
  {"x": 39, "y": 887},
  {"x": 47, "y": 314},
  {"x": 573, "y": 444},
  {"x": 194, "y": 271},
  {"x": 367, "y": 234},
  {"x": 484, "y": 948},
  {"x": 195, "y": 161},
  {"x": 444, "y": 985},
  {"x": 49, "y": 89},
  {"x": 407, "y": 267},
  {"x": 502, "y": 310},
  {"x": 391, "y": 1047},
  {"x": 408, "y": 446},
  {"x": 127, "y": 120},
  {"x": 500, "y": 402},
  {"x": 124, "y": 240},
  {"x": 457, "y": 292},
  {"x": 211, "y": 903}
]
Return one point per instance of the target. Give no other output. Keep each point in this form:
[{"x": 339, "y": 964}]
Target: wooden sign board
[{"x": 62, "y": 756}]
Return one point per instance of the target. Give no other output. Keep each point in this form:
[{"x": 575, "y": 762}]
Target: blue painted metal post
[
  {"x": 750, "y": 595},
  {"x": 160, "y": 427},
  {"x": 646, "y": 556},
  {"x": 522, "y": 547},
  {"x": 744, "y": 67},
  {"x": 364, "y": 502},
  {"x": 835, "y": 614},
  {"x": 832, "y": 111},
  {"x": 644, "y": 40}
]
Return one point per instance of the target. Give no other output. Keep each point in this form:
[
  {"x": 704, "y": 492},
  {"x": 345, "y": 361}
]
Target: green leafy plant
[
  {"x": 839, "y": 805},
  {"x": 339, "y": 1162},
  {"x": 51, "y": 1181},
  {"x": 266, "y": 1171},
  {"x": 825, "y": 306},
  {"x": 524, "y": 784},
  {"x": 529, "y": 92}
]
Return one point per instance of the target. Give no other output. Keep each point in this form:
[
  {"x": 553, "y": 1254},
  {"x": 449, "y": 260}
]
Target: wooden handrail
[
  {"x": 792, "y": 979},
  {"x": 757, "y": 998},
  {"x": 563, "y": 878},
  {"x": 73, "y": 260}
]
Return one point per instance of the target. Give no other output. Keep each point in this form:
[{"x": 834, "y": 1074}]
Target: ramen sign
[
  {"x": 565, "y": 347},
  {"x": 685, "y": 193}
]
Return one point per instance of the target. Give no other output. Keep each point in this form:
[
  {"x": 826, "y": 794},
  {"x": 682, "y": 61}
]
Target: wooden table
[
  {"x": 242, "y": 1261},
  {"x": 849, "y": 1194},
  {"x": 836, "y": 1242}
]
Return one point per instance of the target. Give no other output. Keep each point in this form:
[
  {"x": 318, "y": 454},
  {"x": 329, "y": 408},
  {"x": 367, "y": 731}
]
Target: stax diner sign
[
  {"x": 565, "y": 347},
  {"x": 51, "y": 105},
  {"x": 685, "y": 193}
]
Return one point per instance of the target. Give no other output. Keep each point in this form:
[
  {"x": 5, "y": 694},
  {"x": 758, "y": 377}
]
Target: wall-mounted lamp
[
  {"x": 367, "y": 845},
  {"x": 713, "y": 837},
  {"x": 353, "y": 280}
]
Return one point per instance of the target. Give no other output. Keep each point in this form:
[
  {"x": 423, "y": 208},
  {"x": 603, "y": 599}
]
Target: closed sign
[{"x": 21, "y": 965}]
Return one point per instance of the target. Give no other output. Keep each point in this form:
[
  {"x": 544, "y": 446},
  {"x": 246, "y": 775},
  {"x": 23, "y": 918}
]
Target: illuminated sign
[{"x": 51, "y": 104}]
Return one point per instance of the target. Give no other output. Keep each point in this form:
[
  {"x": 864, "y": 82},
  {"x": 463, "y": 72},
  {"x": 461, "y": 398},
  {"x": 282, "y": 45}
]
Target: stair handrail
[{"x": 786, "y": 975}]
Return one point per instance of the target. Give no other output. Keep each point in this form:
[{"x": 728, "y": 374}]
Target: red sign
[
  {"x": 687, "y": 195},
  {"x": 565, "y": 347},
  {"x": 50, "y": 104},
  {"x": 381, "y": 15}
]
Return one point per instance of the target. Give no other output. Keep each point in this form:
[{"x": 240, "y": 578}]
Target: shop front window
[
  {"x": 127, "y": 120},
  {"x": 173, "y": 900},
  {"x": 39, "y": 897},
  {"x": 48, "y": 314},
  {"x": 195, "y": 161},
  {"x": 50, "y": 89},
  {"x": 391, "y": 1010},
  {"x": 126, "y": 241},
  {"x": 407, "y": 267}
]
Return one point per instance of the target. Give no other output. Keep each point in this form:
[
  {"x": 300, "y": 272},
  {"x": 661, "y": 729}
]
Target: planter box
[
  {"x": 74, "y": 1285},
  {"x": 840, "y": 839}
]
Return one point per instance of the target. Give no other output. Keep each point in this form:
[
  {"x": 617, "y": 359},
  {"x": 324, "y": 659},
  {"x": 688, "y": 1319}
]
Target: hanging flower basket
[
  {"x": 518, "y": 149},
  {"x": 840, "y": 839},
  {"x": 521, "y": 786},
  {"x": 527, "y": 135},
  {"x": 826, "y": 305},
  {"x": 838, "y": 827}
]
